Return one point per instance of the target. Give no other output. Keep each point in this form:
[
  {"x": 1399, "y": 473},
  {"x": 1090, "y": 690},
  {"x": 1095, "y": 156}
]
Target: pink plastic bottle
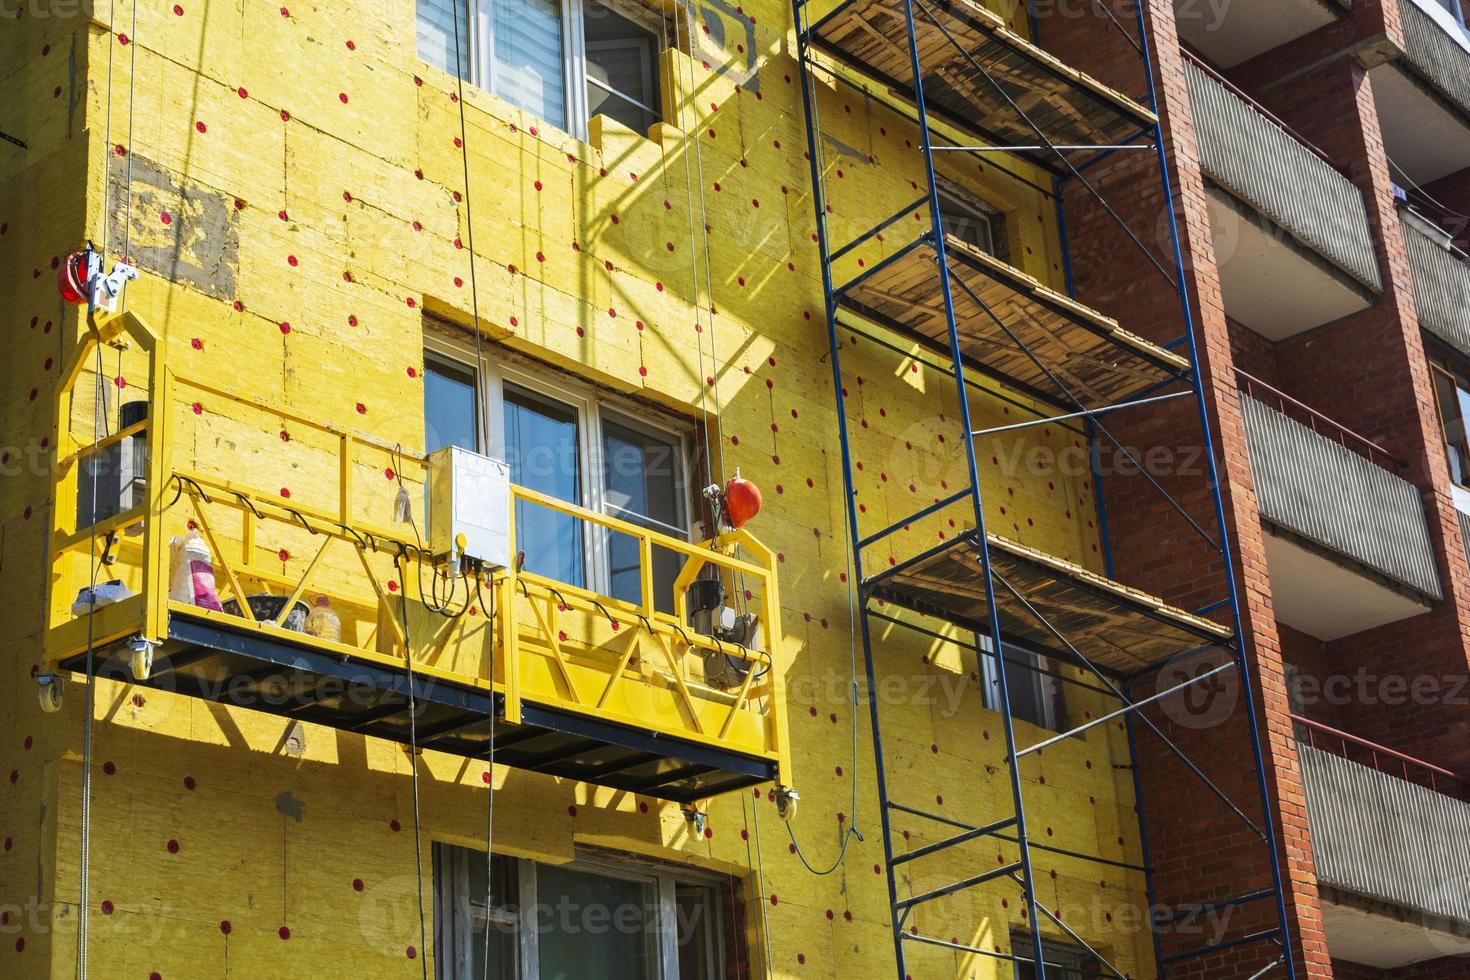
[{"x": 199, "y": 567}]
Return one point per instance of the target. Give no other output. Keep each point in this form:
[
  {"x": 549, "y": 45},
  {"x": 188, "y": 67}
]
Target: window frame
[
  {"x": 452, "y": 893},
  {"x": 479, "y": 59},
  {"x": 1458, "y": 382},
  {"x": 1051, "y": 713},
  {"x": 1056, "y": 955},
  {"x": 955, "y": 197},
  {"x": 591, "y": 405}
]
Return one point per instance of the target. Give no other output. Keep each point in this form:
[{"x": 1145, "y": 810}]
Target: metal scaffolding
[{"x": 955, "y": 64}]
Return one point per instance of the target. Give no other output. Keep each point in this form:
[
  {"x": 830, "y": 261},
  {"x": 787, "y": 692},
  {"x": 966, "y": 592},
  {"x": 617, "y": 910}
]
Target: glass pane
[
  {"x": 965, "y": 223},
  {"x": 541, "y": 448},
  {"x": 1062, "y": 963},
  {"x": 596, "y": 926},
  {"x": 436, "y": 34},
  {"x": 1451, "y": 399},
  {"x": 460, "y": 918},
  {"x": 502, "y": 923},
  {"x": 1027, "y": 687},
  {"x": 643, "y": 477},
  {"x": 528, "y": 57},
  {"x": 697, "y": 934},
  {"x": 449, "y": 406},
  {"x": 622, "y": 71}
]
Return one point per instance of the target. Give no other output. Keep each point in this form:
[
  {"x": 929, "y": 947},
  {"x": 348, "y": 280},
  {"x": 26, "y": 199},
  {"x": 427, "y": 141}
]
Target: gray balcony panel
[
  {"x": 1386, "y": 838},
  {"x": 1441, "y": 282},
  {"x": 1256, "y": 160},
  {"x": 1333, "y": 497},
  {"x": 1437, "y": 55}
]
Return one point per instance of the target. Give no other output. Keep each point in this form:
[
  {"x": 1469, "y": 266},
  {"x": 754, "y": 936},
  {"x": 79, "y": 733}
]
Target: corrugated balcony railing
[
  {"x": 1315, "y": 487},
  {"x": 1254, "y": 157},
  {"x": 1438, "y": 50},
  {"x": 1384, "y": 837},
  {"x": 1441, "y": 281}
]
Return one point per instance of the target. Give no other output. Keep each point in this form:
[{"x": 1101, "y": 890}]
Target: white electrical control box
[{"x": 469, "y": 495}]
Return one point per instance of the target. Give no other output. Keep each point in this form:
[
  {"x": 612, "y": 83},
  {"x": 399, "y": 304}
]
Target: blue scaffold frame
[{"x": 988, "y": 636}]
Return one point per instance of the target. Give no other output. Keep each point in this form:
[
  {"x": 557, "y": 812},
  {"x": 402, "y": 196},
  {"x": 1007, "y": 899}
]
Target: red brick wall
[{"x": 1200, "y": 850}]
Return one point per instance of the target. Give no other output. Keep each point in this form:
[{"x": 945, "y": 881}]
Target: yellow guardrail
[{"x": 529, "y": 637}]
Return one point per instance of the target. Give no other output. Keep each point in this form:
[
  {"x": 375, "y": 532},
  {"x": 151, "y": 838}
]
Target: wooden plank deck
[
  {"x": 1099, "y": 361},
  {"x": 1071, "y": 108},
  {"x": 1114, "y": 626}
]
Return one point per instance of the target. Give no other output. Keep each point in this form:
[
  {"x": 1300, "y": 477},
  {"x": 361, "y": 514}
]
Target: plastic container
[
  {"x": 192, "y": 576},
  {"x": 322, "y": 622}
]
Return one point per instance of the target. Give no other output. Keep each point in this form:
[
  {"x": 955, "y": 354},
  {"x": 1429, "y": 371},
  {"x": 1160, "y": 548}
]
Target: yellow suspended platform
[{"x": 568, "y": 682}]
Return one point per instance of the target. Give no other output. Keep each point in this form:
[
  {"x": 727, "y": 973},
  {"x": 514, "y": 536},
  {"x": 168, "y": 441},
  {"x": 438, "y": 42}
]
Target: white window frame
[
  {"x": 452, "y": 893},
  {"x": 480, "y": 60},
  {"x": 591, "y": 405},
  {"x": 989, "y": 673},
  {"x": 954, "y": 198}
]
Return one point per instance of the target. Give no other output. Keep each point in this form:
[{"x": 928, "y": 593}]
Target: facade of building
[{"x": 1162, "y": 405}]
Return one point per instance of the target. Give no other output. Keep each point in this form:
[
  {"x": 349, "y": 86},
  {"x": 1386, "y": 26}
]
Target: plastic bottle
[
  {"x": 193, "y": 573},
  {"x": 322, "y": 622}
]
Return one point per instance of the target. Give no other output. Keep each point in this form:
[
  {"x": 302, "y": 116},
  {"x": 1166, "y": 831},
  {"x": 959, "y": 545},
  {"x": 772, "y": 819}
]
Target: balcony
[
  {"x": 1239, "y": 32},
  {"x": 1291, "y": 233},
  {"x": 1424, "y": 96},
  {"x": 572, "y": 684},
  {"x": 1347, "y": 542},
  {"x": 1441, "y": 275},
  {"x": 1388, "y": 839}
]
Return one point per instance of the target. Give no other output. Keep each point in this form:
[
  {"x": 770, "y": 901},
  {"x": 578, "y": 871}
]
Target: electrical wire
[
  {"x": 851, "y": 831},
  {"x": 460, "y": 66},
  {"x": 490, "y": 613},
  {"x": 760, "y": 873},
  {"x": 689, "y": 183},
  {"x": 132, "y": 87},
  {"x": 107, "y": 134},
  {"x": 99, "y": 422},
  {"x": 413, "y": 759},
  {"x": 1426, "y": 195}
]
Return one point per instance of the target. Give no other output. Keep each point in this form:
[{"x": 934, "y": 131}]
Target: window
[
  {"x": 970, "y": 219},
  {"x": 1453, "y": 6},
  {"x": 1453, "y": 396},
  {"x": 567, "y": 440},
  {"x": 563, "y": 61},
  {"x": 1034, "y": 692},
  {"x": 594, "y": 917},
  {"x": 450, "y": 418},
  {"x": 1063, "y": 962}
]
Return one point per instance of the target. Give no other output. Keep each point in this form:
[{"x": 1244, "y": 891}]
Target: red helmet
[
  {"x": 72, "y": 277},
  {"x": 742, "y": 500}
]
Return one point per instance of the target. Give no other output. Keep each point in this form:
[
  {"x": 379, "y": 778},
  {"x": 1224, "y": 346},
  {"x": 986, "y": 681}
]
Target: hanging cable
[
  {"x": 107, "y": 131},
  {"x": 851, "y": 831},
  {"x": 760, "y": 873},
  {"x": 1425, "y": 194},
  {"x": 460, "y": 66},
  {"x": 413, "y": 759},
  {"x": 491, "y": 611},
  {"x": 128, "y": 191},
  {"x": 689, "y": 83},
  {"x": 99, "y": 424}
]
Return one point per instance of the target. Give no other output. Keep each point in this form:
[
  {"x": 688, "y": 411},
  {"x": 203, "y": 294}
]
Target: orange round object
[
  {"x": 71, "y": 278},
  {"x": 742, "y": 500}
]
